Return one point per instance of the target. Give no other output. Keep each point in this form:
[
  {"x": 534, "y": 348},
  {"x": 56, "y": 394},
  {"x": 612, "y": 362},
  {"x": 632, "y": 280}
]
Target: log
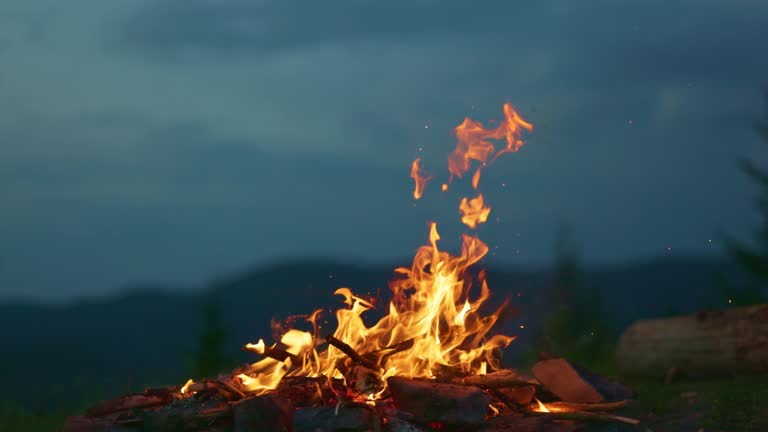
[
  {"x": 572, "y": 383},
  {"x": 267, "y": 413},
  {"x": 351, "y": 418},
  {"x": 431, "y": 401},
  {"x": 712, "y": 343},
  {"x": 499, "y": 379}
]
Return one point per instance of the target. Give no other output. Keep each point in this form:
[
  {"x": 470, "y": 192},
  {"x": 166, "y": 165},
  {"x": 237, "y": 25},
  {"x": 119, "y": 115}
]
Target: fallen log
[{"x": 703, "y": 344}]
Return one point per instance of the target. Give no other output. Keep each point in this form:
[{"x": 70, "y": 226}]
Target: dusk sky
[{"x": 172, "y": 141}]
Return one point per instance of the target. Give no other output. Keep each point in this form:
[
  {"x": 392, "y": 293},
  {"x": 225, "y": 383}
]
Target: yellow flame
[
  {"x": 435, "y": 304},
  {"x": 186, "y": 385},
  {"x": 541, "y": 407}
]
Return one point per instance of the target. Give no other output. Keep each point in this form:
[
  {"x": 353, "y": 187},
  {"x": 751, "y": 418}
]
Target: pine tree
[
  {"x": 210, "y": 357},
  {"x": 753, "y": 259}
]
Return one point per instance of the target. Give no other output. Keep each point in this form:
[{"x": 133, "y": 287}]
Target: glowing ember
[{"x": 434, "y": 315}]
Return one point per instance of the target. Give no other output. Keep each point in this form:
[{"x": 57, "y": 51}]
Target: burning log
[
  {"x": 439, "y": 402},
  {"x": 381, "y": 356},
  {"x": 499, "y": 379},
  {"x": 305, "y": 391},
  {"x": 273, "y": 353},
  {"x": 703, "y": 344},
  {"x": 343, "y": 417},
  {"x": 268, "y": 413},
  {"x": 571, "y": 383},
  {"x": 351, "y": 353},
  {"x": 220, "y": 387}
]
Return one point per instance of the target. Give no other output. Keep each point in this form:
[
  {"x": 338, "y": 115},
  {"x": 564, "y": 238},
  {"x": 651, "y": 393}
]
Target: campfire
[{"x": 430, "y": 362}]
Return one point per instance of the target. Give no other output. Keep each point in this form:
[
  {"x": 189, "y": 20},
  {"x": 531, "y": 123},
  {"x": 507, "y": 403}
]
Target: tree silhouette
[
  {"x": 753, "y": 259},
  {"x": 210, "y": 357},
  {"x": 576, "y": 327}
]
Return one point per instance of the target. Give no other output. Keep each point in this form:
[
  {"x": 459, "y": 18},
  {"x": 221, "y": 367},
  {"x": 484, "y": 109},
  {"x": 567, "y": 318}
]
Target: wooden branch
[
  {"x": 585, "y": 416},
  {"x": 500, "y": 379},
  {"x": 573, "y": 406},
  {"x": 274, "y": 353},
  {"x": 381, "y": 356},
  {"x": 229, "y": 386},
  {"x": 351, "y": 353}
]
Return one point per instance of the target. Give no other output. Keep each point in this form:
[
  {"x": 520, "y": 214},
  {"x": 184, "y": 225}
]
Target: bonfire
[{"x": 432, "y": 361}]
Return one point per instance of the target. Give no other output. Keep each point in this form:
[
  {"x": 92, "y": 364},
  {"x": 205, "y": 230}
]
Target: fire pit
[{"x": 429, "y": 363}]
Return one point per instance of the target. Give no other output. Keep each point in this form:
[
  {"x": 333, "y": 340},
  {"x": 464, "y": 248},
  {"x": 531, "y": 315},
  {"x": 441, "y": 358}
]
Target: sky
[{"x": 173, "y": 141}]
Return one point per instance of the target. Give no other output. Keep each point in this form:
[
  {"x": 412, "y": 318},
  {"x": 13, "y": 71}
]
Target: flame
[
  {"x": 474, "y": 211},
  {"x": 541, "y": 407},
  {"x": 473, "y": 142},
  {"x": 435, "y": 310},
  {"x": 186, "y": 385},
  {"x": 419, "y": 178}
]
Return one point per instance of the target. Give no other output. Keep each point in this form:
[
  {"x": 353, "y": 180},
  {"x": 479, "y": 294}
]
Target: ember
[{"x": 429, "y": 362}]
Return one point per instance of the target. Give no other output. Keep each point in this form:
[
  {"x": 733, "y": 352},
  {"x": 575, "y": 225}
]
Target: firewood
[
  {"x": 381, "y": 356},
  {"x": 274, "y": 353},
  {"x": 704, "y": 344},
  {"x": 499, "y": 379},
  {"x": 268, "y": 413},
  {"x": 187, "y": 414},
  {"x": 345, "y": 417},
  {"x": 351, "y": 353},
  {"x": 305, "y": 391},
  {"x": 364, "y": 380},
  {"x": 220, "y": 387},
  {"x": 572, "y": 406},
  {"x": 584, "y": 416},
  {"x": 88, "y": 424},
  {"x": 517, "y": 395},
  {"x": 571, "y": 383},
  {"x": 431, "y": 401},
  {"x": 125, "y": 403}
]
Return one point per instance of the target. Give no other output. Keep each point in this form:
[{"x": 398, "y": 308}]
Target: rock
[
  {"x": 266, "y": 413},
  {"x": 434, "y": 402},
  {"x": 572, "y": 383},
  {"x": 348, "y": 418}
]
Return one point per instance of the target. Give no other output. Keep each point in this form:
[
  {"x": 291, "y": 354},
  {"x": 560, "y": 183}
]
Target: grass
[
  {"x": 730, "y": 404},
  {"x": 18, "y": 419}
]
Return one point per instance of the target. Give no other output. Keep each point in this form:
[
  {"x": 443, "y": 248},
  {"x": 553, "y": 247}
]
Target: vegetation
[
  {"x": 576, "y": 326},
  {"x": 753, "y": 258},
  {"x": 211, "y": 356}
]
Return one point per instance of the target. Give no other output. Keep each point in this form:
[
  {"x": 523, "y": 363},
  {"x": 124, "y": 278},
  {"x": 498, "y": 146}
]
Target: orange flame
[
  {"x": 541, "y": 407},
  {"x": 419, "y": 178},
  {"x": 473, "y": 141},
  {"x": 474, "y": 211},
  {"x": 433, "y": 303},
  {"x": 186, "y": 386}
]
